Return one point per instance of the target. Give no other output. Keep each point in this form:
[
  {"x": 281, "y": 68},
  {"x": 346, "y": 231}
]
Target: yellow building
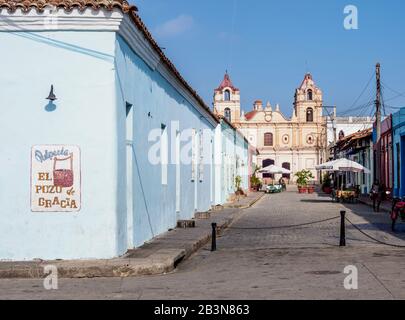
[{"x": 294, "y": 143}]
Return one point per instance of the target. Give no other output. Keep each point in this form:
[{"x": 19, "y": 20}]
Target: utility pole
[
  {"x": 377, "y": 164},
  {"x": 334, "y": 126},
  {"x": 332, "y": 118}
]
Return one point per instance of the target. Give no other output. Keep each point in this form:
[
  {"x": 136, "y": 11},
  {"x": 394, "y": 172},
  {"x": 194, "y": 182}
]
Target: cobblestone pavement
[{"x": 258, "y": 260}]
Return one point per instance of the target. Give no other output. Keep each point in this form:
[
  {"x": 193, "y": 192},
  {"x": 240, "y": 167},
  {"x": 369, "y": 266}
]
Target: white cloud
[{"x": 175, "y": 26}]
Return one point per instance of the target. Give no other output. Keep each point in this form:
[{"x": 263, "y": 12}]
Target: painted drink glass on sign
[
  {"x": 55, "y": 178},
  {"x": 63, "y": 177}
]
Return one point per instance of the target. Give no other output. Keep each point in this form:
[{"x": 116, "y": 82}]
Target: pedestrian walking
[{"x": 377, "y": 195}]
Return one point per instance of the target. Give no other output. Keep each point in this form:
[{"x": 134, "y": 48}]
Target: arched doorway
[
  {"x": 266, "y": 163},
  {"x": 287, "y": 165}
]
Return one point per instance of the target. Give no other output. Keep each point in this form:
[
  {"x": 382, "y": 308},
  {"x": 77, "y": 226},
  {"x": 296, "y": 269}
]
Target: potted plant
[
  {"x": 239, "y": 190},
  {"x": 303, "y": 178},
  {"x": 255, "y": 182},
  {"x": 327, "y": 184},
  {"x": 311, "y": 189}
]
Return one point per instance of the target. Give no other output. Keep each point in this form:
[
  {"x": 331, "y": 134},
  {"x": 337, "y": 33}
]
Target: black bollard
[
  {"x": 214, "y": 237},
  {"x": 343, "y": 228}
]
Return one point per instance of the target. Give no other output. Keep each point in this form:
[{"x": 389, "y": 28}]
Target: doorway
[{"x": 129, "y": 127}]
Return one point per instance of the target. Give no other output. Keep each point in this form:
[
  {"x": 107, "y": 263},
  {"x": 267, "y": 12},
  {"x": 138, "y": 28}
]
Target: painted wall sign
[{"x": 55, "y": 178}]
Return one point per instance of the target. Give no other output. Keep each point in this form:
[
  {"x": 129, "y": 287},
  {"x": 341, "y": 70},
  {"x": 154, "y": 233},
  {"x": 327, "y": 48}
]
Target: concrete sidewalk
[
  {"x": 159, "y": 256},
  {"x": 386, "y": 206}
]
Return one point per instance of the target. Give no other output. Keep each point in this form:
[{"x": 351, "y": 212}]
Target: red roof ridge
[
  {"x": 227, "y": 83},
  {"x": 68, "y": 5}
]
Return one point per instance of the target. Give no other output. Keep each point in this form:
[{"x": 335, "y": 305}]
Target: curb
[
  {"x": 161, "y": 262},
  {"x": 253, "y": 202}
]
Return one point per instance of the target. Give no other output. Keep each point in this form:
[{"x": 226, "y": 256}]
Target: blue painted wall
[
  {"x": 232, "y": 162},
  {"x": 156, "y": 102},
  {"x": 81, "y": 67},
  {"x": 398, "y": 125},
  {"x": 94, "y": 74}
]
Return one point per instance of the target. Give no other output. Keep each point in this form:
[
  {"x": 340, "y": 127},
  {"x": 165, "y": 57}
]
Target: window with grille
[{"x": 268, "y": 139}]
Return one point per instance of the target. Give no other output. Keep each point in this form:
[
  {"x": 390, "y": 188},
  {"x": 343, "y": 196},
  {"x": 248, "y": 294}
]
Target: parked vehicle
[
  {"x": 398, "y": 210},
  {"x": 277, "y": 188}
]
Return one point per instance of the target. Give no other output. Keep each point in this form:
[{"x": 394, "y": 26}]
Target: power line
[
  {"x": 364, "y": 90},
  {"x": 361, "y": 108},
  {"x": 382, "y": 100},
  {"x": 398, "y": 94},
  {"x": 350, "y": 109}
]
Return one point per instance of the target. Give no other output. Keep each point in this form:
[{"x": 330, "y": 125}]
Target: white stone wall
[{"x": 348, "y": 125}]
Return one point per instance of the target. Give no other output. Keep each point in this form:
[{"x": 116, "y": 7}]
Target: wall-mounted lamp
[{"x": 51, "y": 96}]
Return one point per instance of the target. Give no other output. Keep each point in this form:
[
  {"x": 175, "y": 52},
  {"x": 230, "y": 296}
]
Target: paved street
[{"x": 258, "y": 260}]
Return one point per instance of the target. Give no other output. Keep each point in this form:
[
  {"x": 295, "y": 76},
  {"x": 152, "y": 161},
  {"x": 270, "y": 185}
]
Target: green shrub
[{"x": 303, "y": 177}]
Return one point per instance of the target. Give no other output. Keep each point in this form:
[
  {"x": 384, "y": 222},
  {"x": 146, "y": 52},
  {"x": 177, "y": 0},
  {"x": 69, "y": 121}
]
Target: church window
[
  {"x": 268, "y": 139},
  {"x": 310, "y": 95},
  {"x": 228, "y": 115},
  {"x": 310, "y": 115},
  {"x": 310, "y": 139},
  {"x": 227, "y": 95}
]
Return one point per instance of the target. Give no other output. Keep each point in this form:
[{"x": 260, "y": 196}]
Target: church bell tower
[
  {"x": 308, "y": 102},
  {"x": 227, "y": 100}
]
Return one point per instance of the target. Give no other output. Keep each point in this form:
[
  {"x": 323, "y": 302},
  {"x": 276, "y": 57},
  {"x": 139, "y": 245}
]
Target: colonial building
[
  {"x": 232, "y": 160},
  {"x": 341, "y": 127},
  {"x": 357, "y": 147},
  {"x": 294, "y": 143},
  {"x": 119, "y": 151}
]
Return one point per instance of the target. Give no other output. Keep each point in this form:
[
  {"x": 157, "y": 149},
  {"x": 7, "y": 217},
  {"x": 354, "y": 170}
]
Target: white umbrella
[
  {"x": 342, "y": 165},
  {"x": 274, "y": 170}
]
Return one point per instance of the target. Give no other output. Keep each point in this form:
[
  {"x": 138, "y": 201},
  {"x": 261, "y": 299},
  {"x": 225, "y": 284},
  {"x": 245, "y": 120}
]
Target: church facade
[{"x": 294, "y": 143}]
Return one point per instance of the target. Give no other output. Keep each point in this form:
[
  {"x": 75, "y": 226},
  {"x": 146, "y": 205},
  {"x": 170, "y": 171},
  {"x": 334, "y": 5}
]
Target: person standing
[
  {"x": 377, "y": 195},
  {"x": 282, "y": 183}
]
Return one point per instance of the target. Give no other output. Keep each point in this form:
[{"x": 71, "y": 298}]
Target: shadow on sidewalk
[
  {"x": 316, "y": 201},
  {"x": 377, "y": 221}
]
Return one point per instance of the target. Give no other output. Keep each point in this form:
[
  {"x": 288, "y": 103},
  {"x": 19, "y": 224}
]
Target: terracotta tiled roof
[
  {"x": 346, "y": 142},
  {"x": 227, "y": 83},
  {"x": 125, "y": 7},
  {"x": 250, "y": 115},
  {"x": 68, "y": 5}
]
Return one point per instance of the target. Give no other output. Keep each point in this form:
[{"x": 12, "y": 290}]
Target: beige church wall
[
  {"x": 290, "y": 135},
  {"x": 298, "y": 161}
]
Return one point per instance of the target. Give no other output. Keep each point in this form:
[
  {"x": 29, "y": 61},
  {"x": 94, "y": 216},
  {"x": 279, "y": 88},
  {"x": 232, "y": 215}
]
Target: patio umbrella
[
  {"x": 342, "y": 165},
  {"x": 274, "y": 170}
]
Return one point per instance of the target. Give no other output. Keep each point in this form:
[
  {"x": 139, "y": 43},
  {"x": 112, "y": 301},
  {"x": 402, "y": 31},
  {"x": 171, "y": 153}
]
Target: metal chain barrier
[
  {"x": 285, "y": 227},
  {"x": 342, "y": 234},
  {"x": 372, "y": 238}
]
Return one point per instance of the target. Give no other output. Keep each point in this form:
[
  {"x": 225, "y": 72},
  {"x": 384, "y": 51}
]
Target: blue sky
[{"x": 267, "y": 46}]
